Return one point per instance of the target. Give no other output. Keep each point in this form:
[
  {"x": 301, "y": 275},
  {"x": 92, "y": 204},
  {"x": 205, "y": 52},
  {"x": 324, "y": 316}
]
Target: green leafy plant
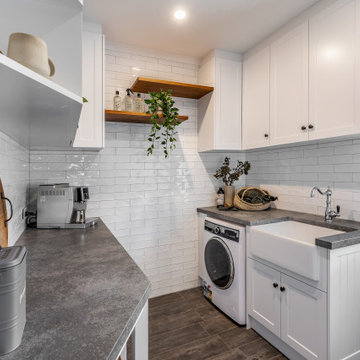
[
  {"x": 164, "y": 121},
  {"x": 85, "y": 100},
  {"x": 228, "y": 175}
]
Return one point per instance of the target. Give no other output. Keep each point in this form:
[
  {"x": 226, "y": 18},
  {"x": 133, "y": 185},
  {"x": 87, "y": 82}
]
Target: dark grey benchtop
[
  {"x": 84, "y": 294},
  {"x": 351, "y": 235}
]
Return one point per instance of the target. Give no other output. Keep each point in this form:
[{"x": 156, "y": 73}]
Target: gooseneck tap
[{"x": 329, "y": 213}]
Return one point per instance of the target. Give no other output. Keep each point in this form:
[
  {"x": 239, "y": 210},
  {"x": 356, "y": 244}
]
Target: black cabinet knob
[
  {"x": 266, "y": 135},
  {"x": 282, "y": 289},
  {"x": 303, "y": 128},
  {"x": 311, "y": 126},
  {"x": 275, "y": 285}
]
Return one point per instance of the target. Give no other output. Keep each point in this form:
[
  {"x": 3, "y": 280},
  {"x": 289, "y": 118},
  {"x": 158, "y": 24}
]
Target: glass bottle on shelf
[
  {"x": 139, "y": 105},
  {"x": 117, "y": 101},
  {"x": 128, "y": 102}
]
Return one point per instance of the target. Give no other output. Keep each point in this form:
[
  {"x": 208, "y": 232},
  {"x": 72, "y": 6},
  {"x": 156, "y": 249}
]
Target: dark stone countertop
[
  {"x": 351, "y": 235},
  {"x": 84, "y": 294}
]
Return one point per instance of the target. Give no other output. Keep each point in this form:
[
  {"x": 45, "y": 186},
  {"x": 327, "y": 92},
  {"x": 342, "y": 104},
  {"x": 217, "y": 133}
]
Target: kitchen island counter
[{"x": 84, "y": 295}]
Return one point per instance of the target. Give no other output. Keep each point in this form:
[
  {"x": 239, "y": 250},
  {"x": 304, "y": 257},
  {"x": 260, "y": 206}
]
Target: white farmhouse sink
[{"x": 290, "y": 245}]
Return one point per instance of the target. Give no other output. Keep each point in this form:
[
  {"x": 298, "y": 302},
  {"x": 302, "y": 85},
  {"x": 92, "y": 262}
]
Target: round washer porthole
[{"x": 219, "y": 263}]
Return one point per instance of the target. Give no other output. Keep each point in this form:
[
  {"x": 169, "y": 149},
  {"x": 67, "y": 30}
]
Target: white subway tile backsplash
[
  {"x": 149, "y": 203},
  {"x": 333, "y": 163}
]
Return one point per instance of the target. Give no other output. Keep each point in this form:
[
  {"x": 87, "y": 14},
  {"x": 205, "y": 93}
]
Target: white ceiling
[{"x": 233, "y": 25}]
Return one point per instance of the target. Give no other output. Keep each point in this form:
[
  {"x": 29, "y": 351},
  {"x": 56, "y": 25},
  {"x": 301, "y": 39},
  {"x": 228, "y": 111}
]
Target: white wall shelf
[{"x": 35, "y": 111}]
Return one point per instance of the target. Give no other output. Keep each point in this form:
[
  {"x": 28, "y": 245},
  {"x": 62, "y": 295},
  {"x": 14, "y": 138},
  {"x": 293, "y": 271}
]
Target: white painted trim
[
  {"x": 143, "y": 316},
  {"x": 140, "y": 336}
]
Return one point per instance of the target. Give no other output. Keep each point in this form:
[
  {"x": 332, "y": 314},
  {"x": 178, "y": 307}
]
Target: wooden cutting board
[{"x": 3, "y": 217}]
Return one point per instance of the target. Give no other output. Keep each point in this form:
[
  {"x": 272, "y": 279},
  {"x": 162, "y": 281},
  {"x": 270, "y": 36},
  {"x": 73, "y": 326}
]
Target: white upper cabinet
[
  {"x": 289, "y": 87},
  {"x": 219, "y": 126},
  {"x": 334, "y": 67},
  {"x": 256, "y": 97},
  {"x": 90, "y": 133},
  {"x": 314, "y": 81}
]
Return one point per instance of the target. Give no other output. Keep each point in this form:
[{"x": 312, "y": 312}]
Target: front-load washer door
[{"x": 219, "y": 263}]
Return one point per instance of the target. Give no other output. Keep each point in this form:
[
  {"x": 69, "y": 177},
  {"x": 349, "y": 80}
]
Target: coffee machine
[{"x": 63, "y": 206}]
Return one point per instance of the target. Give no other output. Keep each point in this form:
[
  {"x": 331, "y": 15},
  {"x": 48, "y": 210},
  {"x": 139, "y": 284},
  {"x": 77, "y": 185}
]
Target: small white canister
[{"x": 12, "y": 297}]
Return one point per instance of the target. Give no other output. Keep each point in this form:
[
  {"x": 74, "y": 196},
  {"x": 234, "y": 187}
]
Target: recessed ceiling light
[{"x": 179, "y": 14}]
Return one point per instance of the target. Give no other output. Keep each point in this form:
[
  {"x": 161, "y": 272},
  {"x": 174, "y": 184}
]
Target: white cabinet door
[
  {"x": 289, "y": 87},
  {"x": 227, "y": 104},
  {"x": 303, "y": 318},
  {"x": 90, "y": 133},
  {"x": 264, "y": 295},
  {"x": 256, "y": 98},
  {"x": 334, "y": 70}
]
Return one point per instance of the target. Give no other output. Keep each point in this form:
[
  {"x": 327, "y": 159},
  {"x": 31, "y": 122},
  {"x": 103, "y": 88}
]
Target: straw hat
[{"x": 31, "y": 52}]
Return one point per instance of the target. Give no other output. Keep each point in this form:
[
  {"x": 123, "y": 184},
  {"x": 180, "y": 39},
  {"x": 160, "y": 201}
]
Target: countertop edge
[
  {"x": 332, "y": 242},
  {"x": 87, "y": 242},
  {"x": 339, "y": 241},
  {"x": 233, "y": 220},
  {"x": 115, "y": 351}
]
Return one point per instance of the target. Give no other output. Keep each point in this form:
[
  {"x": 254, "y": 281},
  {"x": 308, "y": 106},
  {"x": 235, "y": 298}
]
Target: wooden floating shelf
[
  {"x": 190, "y": 91},
  {"x": 132, "y": 117}
]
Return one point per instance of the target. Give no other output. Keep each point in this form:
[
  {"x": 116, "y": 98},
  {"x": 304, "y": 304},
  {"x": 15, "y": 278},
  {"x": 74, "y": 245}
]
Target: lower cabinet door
[
  {"x": 264, "y": 295},
  {"x": 303, "y": 318}
]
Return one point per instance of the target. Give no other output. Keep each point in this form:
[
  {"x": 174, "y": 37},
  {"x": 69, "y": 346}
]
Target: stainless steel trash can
[{"x": 12, "y": 297}]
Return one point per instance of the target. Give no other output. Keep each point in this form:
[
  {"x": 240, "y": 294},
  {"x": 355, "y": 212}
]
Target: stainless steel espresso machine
[{"x": 63, "y": 206}]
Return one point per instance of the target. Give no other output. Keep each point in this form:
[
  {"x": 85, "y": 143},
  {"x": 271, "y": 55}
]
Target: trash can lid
[{"x": 11, "y": 256}]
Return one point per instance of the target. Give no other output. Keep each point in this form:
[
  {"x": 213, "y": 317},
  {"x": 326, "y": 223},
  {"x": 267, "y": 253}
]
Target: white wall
[
  {"x": 14, "y": 174},
  {"x": 290, "y": 172},
  {"x": 149, "y": 203}
]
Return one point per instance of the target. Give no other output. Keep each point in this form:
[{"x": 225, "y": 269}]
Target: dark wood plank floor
[{"x": 185, "y": 326}]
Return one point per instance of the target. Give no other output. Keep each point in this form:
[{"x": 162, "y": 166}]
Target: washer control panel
[{"x": 222, "y": 231}]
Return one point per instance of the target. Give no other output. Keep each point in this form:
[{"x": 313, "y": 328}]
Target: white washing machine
[{"x": 224, "y": 267}]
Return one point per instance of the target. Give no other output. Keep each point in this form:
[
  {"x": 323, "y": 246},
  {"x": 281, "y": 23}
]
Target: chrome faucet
[{"x": 329, "y": 213}]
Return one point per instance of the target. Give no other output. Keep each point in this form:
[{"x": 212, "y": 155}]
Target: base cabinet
[
  {"x": 264, "y": 296},
  {"x": 289, "y": 308},
  {"x": 303, "y": 318}
]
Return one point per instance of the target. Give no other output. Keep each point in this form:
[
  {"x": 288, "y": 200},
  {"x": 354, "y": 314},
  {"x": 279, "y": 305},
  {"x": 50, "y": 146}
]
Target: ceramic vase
[{"x": 229, "y": 195}]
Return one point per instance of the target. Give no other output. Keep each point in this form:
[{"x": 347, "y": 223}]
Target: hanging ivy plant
[{"x": 164, "y": 121}]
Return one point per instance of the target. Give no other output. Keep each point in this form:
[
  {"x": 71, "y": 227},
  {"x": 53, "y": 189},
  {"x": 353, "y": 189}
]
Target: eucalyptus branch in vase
[{"x": 229, "y": 176}]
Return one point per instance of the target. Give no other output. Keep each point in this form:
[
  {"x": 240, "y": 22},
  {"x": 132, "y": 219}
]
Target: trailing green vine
[{"x": 164, "y": 121}]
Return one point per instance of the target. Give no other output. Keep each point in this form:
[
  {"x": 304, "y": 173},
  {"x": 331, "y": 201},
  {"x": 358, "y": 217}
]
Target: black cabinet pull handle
[
  {"x": 11, "y": 208},
  {"x": 282, "y": 289},
  {"x": 311, "y": 126},
  {"x": 338, "y": 209},
  {"x": 303, "y": 128},
  {"x": 275, "y": 285},
  {"x": 266, "y": 135}
]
